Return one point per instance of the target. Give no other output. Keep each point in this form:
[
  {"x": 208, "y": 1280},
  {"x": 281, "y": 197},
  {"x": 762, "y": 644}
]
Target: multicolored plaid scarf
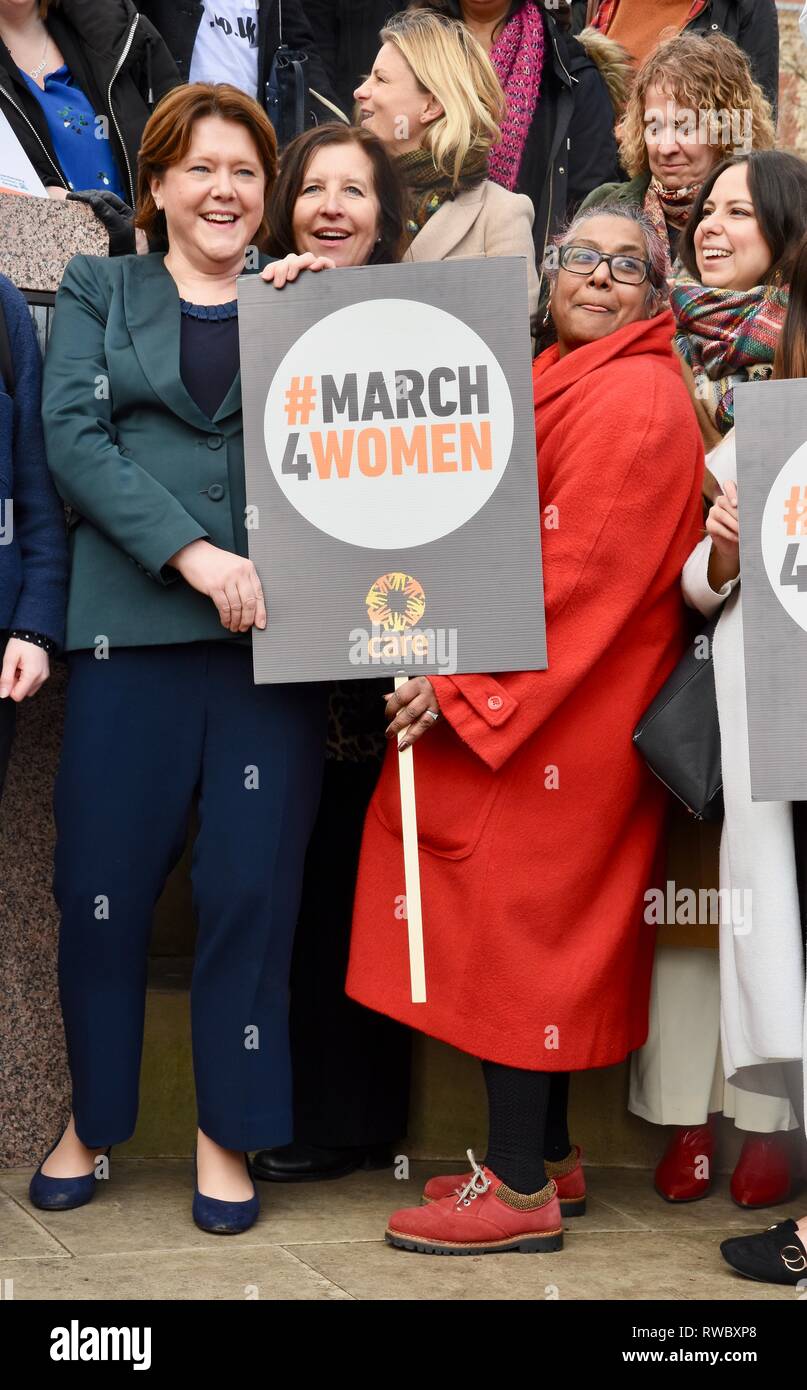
[
  {"x": 726, "y": 336},
  {"x": 518, "y": 57}
]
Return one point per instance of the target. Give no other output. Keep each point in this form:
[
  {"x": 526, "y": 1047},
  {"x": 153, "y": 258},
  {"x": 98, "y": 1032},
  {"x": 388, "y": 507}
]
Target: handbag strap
[{"x": 299, "y": 97}]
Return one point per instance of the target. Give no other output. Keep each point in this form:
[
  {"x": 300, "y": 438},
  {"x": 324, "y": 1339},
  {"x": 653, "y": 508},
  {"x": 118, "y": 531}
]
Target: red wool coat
[{"x": 539, "y": 824}]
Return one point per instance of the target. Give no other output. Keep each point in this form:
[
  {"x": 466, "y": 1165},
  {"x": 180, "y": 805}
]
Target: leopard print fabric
[{"x": 356, "y": 721}]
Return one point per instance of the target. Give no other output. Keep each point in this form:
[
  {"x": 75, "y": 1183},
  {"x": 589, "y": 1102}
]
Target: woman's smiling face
[
  {"x": 588, "y": 307},
  {"x": 730, "y": 250},
  {"x": 213, "y": 198},
  {"x": 392, "y": 103},
  {"x": 337, "y": 212}
]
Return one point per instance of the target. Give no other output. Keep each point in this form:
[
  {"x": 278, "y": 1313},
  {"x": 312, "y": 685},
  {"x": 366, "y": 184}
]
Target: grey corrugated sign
[{"x": 391, "y": 475}]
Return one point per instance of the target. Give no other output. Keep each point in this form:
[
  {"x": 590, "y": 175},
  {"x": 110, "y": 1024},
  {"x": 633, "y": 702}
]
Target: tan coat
[{"x": 482, "y": 221}]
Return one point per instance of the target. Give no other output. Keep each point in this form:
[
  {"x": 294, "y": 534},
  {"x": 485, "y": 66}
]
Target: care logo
[
  {"x": 396, "y": 602},
  {"x": 405, "y": 447},
  {"x": 396, "y": 606}
]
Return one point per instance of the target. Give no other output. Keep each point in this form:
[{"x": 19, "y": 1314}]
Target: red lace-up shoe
[
  {"x": 568, "y": 1174},
  {"x": 685, "y": 1172},
  {"x": 763, "y": 1176},
  {"x": 485, "y": 1217}
]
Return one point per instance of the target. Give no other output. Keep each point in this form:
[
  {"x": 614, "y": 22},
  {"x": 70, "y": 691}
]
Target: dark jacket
[
  {"x": 178, "y": 23},
  {"x": 143, "y": 469},
  {"x": 120, "y": 63},
  {"x": 346, "y": 34},
  {"x": 752, "y": 24},
  {"x": 33, "y": 566}
]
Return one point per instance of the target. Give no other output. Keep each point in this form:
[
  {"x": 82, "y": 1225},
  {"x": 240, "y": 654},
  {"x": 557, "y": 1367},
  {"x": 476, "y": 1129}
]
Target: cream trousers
[{"x": 677, "y": 1077}]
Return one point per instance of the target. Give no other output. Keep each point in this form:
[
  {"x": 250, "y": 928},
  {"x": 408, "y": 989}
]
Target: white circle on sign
[
  {"x": 784, "y": 536},
  {"x": 410, "y": 469}
]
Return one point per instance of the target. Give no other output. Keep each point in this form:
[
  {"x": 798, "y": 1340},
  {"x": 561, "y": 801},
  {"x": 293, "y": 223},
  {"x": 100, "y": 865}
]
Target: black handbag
[
  {"x": 679, "y": 735},
  {"x": 288, "y": 95}
]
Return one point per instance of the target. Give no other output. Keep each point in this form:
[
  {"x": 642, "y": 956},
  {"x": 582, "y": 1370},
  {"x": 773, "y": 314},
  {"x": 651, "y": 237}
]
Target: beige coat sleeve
[{"x": 512, "y": 236}]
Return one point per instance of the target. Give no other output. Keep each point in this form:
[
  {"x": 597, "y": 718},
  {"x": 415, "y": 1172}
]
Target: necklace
[{"x": 40, "y": 67}]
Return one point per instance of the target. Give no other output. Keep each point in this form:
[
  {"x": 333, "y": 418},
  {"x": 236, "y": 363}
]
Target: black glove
[{"x": 116, "y": 216}]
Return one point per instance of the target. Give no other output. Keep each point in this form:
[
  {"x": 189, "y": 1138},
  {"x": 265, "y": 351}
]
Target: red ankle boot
[
  {"x": 485, "y": 1217},
  {"x": 568, "y": 1174},
  {"x": 763, "y": 1176},
  {"x": 685, "y": 1172}
]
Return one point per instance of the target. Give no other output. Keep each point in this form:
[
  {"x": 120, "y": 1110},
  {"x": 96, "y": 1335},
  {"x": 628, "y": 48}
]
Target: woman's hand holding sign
[
  {"x": 231, "y": 581},
  {"x": 286, "y": 270},
  {"x": 412, "y": 707},
  {"x": 723, "y": 525}
]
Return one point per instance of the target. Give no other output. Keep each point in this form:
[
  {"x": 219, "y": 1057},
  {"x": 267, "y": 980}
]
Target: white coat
[{"x": 762, "y": 977}]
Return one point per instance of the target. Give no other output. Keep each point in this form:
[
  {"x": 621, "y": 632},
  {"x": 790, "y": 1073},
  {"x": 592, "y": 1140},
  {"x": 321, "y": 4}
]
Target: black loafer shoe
[
  {"x": 307, "y": 1163},
  {"x": 775, "y": 1256}
]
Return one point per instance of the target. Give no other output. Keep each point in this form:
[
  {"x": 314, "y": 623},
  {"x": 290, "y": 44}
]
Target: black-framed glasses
[{"x": 583, "y": 260}]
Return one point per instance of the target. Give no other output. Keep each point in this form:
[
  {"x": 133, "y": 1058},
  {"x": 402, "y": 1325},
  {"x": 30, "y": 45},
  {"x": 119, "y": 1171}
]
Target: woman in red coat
[{"x": 539, "y": 824}]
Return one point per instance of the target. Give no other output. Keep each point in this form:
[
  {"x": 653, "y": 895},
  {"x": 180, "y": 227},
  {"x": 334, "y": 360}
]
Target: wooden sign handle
[{"x": 414, "y": 917}]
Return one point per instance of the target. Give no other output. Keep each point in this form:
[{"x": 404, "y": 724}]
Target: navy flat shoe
[
  {"x": 224, "y": 1218},
  {"x": 62, "y": 1194}
]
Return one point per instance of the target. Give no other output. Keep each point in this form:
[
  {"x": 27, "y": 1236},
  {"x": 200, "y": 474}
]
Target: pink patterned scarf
[{"x": 518, "y": 57}]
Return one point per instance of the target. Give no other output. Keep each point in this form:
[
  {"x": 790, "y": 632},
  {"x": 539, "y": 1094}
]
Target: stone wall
[{"x": 792, "y": 81}]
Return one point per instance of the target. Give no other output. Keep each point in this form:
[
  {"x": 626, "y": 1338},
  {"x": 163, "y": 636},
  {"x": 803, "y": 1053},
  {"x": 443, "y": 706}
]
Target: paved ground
[{"x": 325, "y": 1241}]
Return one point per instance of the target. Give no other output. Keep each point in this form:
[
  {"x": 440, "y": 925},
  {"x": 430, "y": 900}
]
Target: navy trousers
[{"x": 146, "y": 730}]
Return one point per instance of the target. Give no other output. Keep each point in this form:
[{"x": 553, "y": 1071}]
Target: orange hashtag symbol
[
  {"x": 300, "y": 400},
  {"x": 796, "y": 513}
]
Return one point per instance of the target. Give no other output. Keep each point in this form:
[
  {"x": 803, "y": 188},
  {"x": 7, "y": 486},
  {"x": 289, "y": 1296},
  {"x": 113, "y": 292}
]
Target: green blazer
[
  {"x": 632, "y": 192},
  {"x": 143, "y": 470}
]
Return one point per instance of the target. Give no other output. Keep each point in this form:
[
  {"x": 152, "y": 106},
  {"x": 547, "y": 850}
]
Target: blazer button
[
  {"x": 495, "y": 702},
  {"x": 214, "y": 441},
  {"x": 215, "y": 492}
]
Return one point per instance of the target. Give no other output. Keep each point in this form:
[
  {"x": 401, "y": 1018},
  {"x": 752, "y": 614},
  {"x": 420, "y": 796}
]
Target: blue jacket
[{"x": 33, "y": 546}]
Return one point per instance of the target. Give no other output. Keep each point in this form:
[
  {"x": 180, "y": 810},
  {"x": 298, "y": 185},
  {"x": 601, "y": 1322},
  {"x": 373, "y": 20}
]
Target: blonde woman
[{"x": 435, "y": 101}]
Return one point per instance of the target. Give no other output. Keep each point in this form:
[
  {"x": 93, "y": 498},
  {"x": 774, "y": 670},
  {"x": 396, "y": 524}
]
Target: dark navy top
[
  {"x": 208, "y": 352},
  {"x": 82, "y": 146}
]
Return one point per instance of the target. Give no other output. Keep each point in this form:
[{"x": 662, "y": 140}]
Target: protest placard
[
  {"x": 391, "y": 475},
  {"x": 392, "y": 490}
]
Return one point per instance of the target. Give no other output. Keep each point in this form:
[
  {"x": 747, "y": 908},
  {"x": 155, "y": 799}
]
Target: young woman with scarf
[
  {"x": 730, "y": 301},
  {"x": 779, "y": 1254},
  {"x": 436, "y": 103},
  {"x": 558, "y": 132}
]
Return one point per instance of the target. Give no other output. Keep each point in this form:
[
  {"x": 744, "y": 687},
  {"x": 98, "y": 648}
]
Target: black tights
[{"x": 528, "y": 1123}]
